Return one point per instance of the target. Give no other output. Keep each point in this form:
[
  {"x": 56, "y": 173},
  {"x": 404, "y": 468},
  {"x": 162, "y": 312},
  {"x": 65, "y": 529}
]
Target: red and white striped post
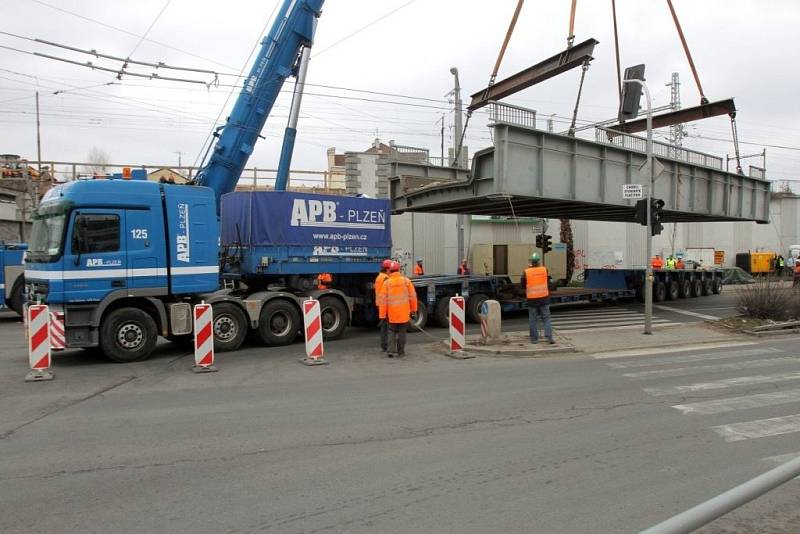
[
  {"x": 312, "y": 322},
  {"x": 58, "y": 340},
  {"x": 457, "y": 337},
  {"x": 38, "y": 316},
  {"x": 203, "y": 339}
]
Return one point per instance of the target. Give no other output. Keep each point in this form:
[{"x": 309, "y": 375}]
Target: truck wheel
[
  {"x": 278, "y": 323},
  {"x": 717, "y": 286},
  {"x": 673, "y": 291},
  {"x": 128, "y": 335},
  {"x": 17, "y": 299},
  {"x": 229, "y": 325},
  {"x": 441, "y": 312},
  {"x": 422, "y": 317},
  {"x": 334, "y": 317},
  {"x": 474, "y": 304},
  {"x": 659, "y": 292},
  {"x": 697, "y": 287},
  {"x": 685, "y": 288},
  {"x": 708, "y": 287}
]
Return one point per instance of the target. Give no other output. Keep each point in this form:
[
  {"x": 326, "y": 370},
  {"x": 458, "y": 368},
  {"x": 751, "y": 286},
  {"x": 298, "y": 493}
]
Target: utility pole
[
  {"x": 459, "y": 129},
  {"x": 38, "y": 139},
  {"x": 180, "y": 161},
  {"x": 676, "y": 134},
  {"x": 648, "y": 279}
]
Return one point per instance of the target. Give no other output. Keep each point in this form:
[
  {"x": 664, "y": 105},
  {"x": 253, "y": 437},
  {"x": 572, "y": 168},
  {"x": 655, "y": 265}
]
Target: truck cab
[{"x": 128, "y": 247}]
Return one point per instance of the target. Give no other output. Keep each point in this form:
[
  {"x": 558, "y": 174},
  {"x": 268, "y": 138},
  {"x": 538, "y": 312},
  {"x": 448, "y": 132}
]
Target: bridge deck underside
[{"x": 534, "y": 173}]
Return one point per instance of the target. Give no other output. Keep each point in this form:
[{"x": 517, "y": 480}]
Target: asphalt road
[{"x": 371, "y": 444}]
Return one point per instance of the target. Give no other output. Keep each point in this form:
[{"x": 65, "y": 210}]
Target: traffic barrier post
[
  {"x": 312, "y": 323},
  {"x": 38, "y": 316},
  {"x": 58, "y": 340},
  {"x": 457, "y": 337},
  {"x": 203, "y": 339}
]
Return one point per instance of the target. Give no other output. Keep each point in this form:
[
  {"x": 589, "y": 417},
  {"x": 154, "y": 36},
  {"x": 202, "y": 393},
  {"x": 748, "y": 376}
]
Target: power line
[
  {"x": 781, "y": 147},
  {"x": 149, "y": 28}
]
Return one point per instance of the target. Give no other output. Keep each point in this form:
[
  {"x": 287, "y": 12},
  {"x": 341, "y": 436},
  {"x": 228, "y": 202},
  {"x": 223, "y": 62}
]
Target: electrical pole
[
  {"x": 38, "y": 139},
  {"x": 676, "y": 134},
  {"x": 459, "y": 129},
  {"x": 180, "y": 161}
]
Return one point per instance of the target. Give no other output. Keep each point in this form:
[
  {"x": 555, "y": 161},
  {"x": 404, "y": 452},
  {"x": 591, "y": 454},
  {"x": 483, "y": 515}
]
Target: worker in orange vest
[
  {"x": 398, "y": 301},
  {"x": 796, "y": 273},
  {"x": 679, "y": 264},
  {"x": 419, "y": 270},
  {"x": 379, "y": 280},
  {"x": 535, "y": 282},
  {"x": 324, "y": 280},
  {"x": 657, "y": 262}
]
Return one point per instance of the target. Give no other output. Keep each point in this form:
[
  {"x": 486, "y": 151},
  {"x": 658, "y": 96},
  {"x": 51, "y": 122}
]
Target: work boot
[
  {"x": 551, "y": 341},
  {"x": 534, "y": 341}
]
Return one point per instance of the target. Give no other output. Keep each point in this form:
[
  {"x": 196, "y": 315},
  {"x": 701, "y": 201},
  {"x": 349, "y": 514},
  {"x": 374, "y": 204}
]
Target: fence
[
  {"x": 664, "y": 150},
  {"x": 511, "y": 114}
]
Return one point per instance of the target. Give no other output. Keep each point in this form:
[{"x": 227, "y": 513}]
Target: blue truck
[{"x": 12, "y": 280}]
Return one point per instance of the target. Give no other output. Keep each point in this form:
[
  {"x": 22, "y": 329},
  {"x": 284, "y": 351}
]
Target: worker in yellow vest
[
  {"x": 379, "y": 300},
  {"x": 535, "y": 282}
]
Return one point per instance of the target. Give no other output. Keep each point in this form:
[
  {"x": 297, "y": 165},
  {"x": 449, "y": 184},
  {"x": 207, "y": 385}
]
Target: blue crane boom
[{"x": 283, "y": 52}]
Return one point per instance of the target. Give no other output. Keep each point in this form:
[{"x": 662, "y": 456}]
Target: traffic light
[
  {"x": 546, "y": 244},
  {"x": 631, "y": 93},
  {"x": 656, "y": 212},
  {"x": 538, "y": 240}
]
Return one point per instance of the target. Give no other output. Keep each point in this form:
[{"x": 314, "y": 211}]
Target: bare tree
[
  {"x": 98, "y": 160},
  {"x": 567, "y": 238}
]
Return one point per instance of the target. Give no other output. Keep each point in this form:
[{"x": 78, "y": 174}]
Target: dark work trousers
[
  {"x": 384, "y": 324},
  {"x": 397, "y": 338}
]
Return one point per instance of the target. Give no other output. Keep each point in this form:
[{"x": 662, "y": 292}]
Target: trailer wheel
[
  {"x": 708, "y": 287},
  {"x": 673, "y": 291},
  {"x": 334, "y": 314},
  {"x": 128, "y": 335},
  {"x": 659, "y": 292},
  {"x": 697, "y": 287},
  {"x": 229, "y": 325},
  {"x": 278, "y": 323},
  {"x": 441, "y": 312},
  {"x": 16, "y": 299},
  {"x": 474, "y": 307},
  {"x": 421, "y": 318},
  {"x": 685, "y": 288},
  {"x": 717, "y": 287}
]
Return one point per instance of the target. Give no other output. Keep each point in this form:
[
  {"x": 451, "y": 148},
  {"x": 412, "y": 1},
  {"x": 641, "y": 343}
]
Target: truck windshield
[{"x": 47, "y": 236}]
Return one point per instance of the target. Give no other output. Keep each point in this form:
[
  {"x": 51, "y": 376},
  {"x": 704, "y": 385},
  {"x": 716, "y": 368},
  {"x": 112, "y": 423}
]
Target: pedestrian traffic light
[{"x": 546, "y": 244}]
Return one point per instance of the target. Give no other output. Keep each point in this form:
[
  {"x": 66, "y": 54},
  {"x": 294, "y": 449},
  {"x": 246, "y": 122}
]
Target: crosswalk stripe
[
  {"x": 633, "y": 353},
  {"x": 694, "y": 357},
  {"x": 596, "y": 314},
  {"x": 781, "y": 459},
  {"x": 722, "y": 384},
  {"x": 685, "y": 371},
  {"x": 607, "y": 320},
  {"x": 686, "y": 312},
  {"x": 745, "y": 402},
  {"x": 760, "y": 428}
]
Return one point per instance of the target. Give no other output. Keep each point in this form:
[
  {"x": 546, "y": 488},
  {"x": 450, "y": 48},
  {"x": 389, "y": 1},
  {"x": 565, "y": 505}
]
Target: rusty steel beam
[
  {"x": 703, "y": 111},
  {"x": 561, "y": 62}
]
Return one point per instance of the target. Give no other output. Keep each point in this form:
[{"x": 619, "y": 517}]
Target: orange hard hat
[{"x": 394, "y": 267}]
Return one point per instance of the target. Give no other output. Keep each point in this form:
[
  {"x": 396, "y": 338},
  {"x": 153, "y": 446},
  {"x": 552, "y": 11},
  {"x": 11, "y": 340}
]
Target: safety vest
[
  {"x": 657, "y": 263},
  {"x": 418, "y": 270},
  {"x": 379, "y": 280},
  {"x": 399, "y": 299},
  {"x": 536, "y": 283},
  {"x": 670, "y": 263},
  {"x": 324, "y": 280},
  {"x": 797, "y": 268}
]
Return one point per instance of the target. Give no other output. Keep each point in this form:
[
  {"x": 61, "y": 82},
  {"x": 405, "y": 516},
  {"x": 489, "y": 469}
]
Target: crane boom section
[{"x": 277, "y": 59}]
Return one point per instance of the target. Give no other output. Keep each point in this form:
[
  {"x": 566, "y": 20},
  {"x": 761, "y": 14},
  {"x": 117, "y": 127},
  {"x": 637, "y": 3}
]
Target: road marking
[
  {"x": 739, "y": 403},
  {"x": 596, "y": 313},
  {"x": 600, "y": 321},
  {"x": 685, "y": 371},
  {"x": 668, "y": 360},
  {"x": 686, "y": 312},
  {"x": 723, "y": 384},
  {"x": 662, "y": 350},
  {"x": 627, "y": 327},
  {"x": 760, "y": 428}
]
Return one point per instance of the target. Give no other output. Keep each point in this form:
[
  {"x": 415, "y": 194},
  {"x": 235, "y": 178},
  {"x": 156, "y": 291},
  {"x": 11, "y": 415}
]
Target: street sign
[
  {"x": 658, "y": 168},
  {"x": 632, "y": 191}
]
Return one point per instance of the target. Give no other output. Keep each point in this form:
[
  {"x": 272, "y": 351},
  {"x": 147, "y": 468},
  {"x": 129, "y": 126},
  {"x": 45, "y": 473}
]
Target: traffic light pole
[{"x": 648, "y": 279}]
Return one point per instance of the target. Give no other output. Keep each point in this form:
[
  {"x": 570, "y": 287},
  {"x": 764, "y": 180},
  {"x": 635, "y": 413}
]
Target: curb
[{"x": 514, "y": 349}]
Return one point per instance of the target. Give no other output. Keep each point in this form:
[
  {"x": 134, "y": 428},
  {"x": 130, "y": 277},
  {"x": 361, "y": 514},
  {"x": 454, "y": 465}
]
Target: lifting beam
[
  {"x": 570, "y": 58},
  {"x": 703, "y": 111}
]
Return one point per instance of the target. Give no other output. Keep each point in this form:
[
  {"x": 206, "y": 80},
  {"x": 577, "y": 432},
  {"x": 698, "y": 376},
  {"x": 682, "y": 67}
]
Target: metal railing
[
  {"x": 720, "y": 505},
  {"x": 664, "y": 150},
  {"x": 511, "y": 114},
  {"x": 758, "y": 172}
]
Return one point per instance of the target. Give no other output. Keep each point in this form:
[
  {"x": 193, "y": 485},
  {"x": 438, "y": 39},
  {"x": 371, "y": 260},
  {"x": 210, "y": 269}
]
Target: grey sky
[{"x": 741, "y": 49}]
